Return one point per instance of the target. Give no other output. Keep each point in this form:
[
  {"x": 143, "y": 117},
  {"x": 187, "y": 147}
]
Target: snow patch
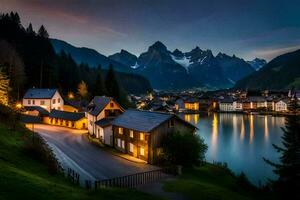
[
  {"x": 231, "y": 81},
  {"x": 184, "y": 61},
  {"x": 135, "y": 66}
]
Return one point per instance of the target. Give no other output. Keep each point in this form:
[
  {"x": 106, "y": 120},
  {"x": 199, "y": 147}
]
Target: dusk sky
[{"x": 246, "y": 28}]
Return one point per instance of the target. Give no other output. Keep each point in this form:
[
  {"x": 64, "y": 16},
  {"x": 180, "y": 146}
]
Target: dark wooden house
[{"x": 140, "y": 133}]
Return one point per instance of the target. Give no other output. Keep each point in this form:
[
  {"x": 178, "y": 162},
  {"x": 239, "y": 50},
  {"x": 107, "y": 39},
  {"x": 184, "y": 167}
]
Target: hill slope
[
  {"x": 86, "y": 55},
  {"x": 280, "y": 73},
  {"x": 22, "y": 177}
]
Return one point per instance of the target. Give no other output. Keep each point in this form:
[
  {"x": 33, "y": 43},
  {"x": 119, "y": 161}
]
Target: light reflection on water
[{"x": 241, "y": 141}]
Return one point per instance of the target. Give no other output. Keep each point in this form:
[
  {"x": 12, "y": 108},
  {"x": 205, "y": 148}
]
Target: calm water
[{"x": 241, "y": 141}]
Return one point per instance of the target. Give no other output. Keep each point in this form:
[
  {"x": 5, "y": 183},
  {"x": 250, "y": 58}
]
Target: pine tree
[
  {"x": 43, "y": 32},
  {"x": 30, "y": 30},
  {"x": 82, "y": 90},
  {"x": 288, "y": 169},
  {"x": 4, "y": 88},
  {"x": 111, "y": 83},
  {"x": 99, "y": 88}
]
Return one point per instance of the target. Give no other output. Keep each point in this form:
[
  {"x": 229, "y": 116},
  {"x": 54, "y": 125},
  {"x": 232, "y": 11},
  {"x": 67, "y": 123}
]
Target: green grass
[
  {"x": 22, "y": 177},
  {"x": 213, "y": 183}
]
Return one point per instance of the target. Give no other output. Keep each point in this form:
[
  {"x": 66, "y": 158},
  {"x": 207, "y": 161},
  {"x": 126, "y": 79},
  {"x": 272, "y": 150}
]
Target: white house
[
  {"x": 101, "y": 111},
  {"x": 48, "y": 99},
  {"x": 281, "y": 106},
  {"x": 226, "y": 105}
]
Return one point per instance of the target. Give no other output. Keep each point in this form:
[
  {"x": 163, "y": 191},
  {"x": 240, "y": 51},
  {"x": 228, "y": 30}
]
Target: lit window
[
  {"x": 142, "y": 136},
  {"x": 131, "y": 147},
  {"x": 119, "y": 142},
  {"x": 120, "y": 131},
  {"x": 131, "y": 133},
  {"x": 42, "y": 102},
  {"x": 142, "y": 151},
  {"x": 123, "y": 144}
]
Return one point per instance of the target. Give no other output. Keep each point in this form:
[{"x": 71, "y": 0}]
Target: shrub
[{"x": 184, "y": 148}]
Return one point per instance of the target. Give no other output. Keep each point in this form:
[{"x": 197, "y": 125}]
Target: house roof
[
  {"x": 29, "y": 119},
  {"x": 42, "y": 111},
  {"x": 98, "y": 103},
  {"x": 71, "y": 116},
  {"x": 37, "y": 93},
  {"x": 227, "y": 100},
  {"x": 144, "y": 121},
  {"x": 104, "y": 122}
]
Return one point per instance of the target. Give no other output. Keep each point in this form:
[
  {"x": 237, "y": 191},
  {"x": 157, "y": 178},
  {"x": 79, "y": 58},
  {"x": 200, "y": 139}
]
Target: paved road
[{"x": 73, "y": 150}]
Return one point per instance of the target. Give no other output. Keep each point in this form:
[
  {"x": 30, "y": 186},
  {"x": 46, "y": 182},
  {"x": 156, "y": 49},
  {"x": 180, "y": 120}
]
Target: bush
[{"x": 184, "y": 148}]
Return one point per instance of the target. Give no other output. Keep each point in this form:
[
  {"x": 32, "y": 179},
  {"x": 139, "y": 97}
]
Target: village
[{"x": 138, "y": 132}]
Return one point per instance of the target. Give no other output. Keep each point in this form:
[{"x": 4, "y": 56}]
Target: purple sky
[{"x": 248, "y": 29}]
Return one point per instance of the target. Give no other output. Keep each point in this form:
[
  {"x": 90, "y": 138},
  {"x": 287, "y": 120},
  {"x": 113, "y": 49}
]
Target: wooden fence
[{"x": 129, "y": 181}]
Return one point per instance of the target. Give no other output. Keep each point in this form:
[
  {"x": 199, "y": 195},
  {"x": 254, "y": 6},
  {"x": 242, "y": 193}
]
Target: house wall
[
  {"x": 79, "y": 124},
  {"x": 191, "y": 106},
  {"x": 105, "y": 134},
  {"x": 226, "y": 107},
  {"x": 280, "y": 106}
]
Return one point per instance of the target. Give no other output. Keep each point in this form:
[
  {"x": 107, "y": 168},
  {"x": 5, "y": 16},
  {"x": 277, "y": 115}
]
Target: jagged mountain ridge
[{"x": 198, "y": 66}]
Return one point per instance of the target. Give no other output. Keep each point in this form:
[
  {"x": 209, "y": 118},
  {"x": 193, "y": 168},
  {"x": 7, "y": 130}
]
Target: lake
[{"x": 241, "y": 141}]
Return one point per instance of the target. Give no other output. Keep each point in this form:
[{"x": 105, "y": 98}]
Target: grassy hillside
[
  {"x": 23, "y": 177},
  {"x": 212, "y": 182}
]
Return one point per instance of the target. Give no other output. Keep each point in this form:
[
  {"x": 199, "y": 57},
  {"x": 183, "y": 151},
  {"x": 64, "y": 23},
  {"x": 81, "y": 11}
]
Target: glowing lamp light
[
  {"x": 71, "y": 95},
  {"x": 18, "y": 105}
]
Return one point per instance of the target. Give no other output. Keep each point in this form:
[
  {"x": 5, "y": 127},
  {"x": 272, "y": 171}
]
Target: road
[{"x": 73, "y": 150}]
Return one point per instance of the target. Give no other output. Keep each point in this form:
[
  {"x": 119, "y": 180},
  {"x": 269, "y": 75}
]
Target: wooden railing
[{"x": 130, "y": 181}]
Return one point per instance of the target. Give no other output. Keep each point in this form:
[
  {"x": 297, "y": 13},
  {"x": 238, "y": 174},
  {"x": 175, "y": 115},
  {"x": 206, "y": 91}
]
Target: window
[
  {"x": 54, "y": 101},
  {"x": 131, "y": 133},
  {"x": 111, "y": 104},
  {"x": 131, "y": 147},
  {"x": 119, "y": 142},
  {"x": 142, "y": 136},
  {"x": 120, "y": 131},
  {"x": 142, "y": 151},
  {"x": 33, "y": 102},
  {"x": 123, "y": 144},
  {"x": 58, "y": 100},
  {"x": 42, "y": 102},
  {"x": 29, "y": 101}
]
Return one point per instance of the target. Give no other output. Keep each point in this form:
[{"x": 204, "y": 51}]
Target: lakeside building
[{"x": 140, "y": 133}]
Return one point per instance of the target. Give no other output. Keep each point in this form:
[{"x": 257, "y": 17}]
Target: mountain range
[
  {"x": 169, "y": 70},
  {"x": 283, "y": 72}
]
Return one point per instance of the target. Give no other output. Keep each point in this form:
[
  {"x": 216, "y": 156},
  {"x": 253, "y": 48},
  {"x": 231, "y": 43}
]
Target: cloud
[{"x": 271, "y": 53}]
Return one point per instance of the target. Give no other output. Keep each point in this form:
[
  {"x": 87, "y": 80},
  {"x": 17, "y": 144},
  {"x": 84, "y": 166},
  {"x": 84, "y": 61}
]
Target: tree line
[{"x": 28, "y": 59}]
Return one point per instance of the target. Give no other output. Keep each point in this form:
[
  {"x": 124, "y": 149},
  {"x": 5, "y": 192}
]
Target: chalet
[
  {"x": 281, "y": 105},
  {"x": 140, "y": 133},
  {"x": 48, "y": 99},
  {"x": 75, "y": 120},
  {"x": 100, "y": 112}
]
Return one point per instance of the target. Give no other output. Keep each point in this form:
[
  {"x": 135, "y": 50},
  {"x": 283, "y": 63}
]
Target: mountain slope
[
  {"x": 257, "y": 63},
  {"x": 86, "y": 55},
  {"x": 125, "y": 58},
  {"x": 282, "y": 72}
]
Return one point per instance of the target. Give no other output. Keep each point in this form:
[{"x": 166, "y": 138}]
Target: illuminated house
[
  {"x": 140, "y": 133},
  {"x": 48, "y": 99},
  {"x": 191, "y": 104},
  {"x": 75, "y": 120},
  {"x": 101, "y": 110}
]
